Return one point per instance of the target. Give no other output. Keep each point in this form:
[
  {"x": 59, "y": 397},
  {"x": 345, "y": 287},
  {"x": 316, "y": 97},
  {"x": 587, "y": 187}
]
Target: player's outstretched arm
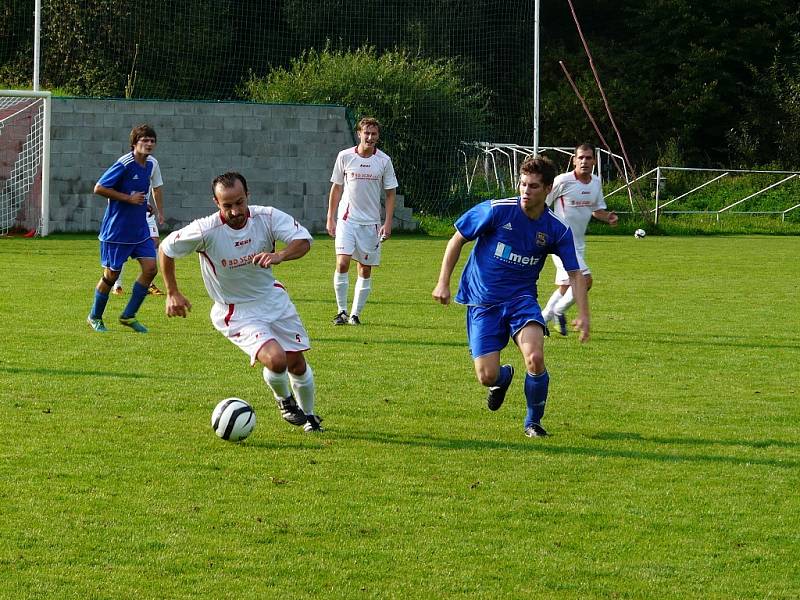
[
  {"x": 177, "y": 305},
  {"x": 579, "y": 291},
  {"x": 441, "y": 293}
]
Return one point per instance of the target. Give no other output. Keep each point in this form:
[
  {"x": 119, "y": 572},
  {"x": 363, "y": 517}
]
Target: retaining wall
[{"x": 286, "y": 153}]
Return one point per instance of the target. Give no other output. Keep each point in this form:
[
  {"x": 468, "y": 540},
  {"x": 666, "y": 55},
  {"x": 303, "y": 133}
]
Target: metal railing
[
  {"x": 715, "y": 175},
  {"x": 499, "y": 163}
]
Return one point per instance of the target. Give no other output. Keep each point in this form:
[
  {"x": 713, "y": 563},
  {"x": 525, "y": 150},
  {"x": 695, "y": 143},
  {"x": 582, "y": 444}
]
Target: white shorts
[
  {"x": 561, "y": 275},
  {"x": 152, "y": 223},
  {"x": 250, "y": 325},
  {"x": 362, "y": 242}
]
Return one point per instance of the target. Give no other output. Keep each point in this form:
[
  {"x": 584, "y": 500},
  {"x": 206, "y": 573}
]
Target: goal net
[
  {"x": 434, "y": 75},
  {"x": 24, "y": 162}
]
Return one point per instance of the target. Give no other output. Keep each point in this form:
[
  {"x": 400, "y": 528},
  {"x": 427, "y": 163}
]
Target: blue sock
[
  {"x": 536, "y": 396},
  {"x": 99, "y": 305},
  {"x": 503, "y": 375},
  {"x": 138, "y": 294}
]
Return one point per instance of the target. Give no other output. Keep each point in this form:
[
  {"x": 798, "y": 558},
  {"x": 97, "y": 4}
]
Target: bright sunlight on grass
[{"x": 672, "y": 470}]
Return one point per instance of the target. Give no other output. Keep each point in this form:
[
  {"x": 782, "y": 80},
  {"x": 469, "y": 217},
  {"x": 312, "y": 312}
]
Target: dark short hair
[
  {"x": 368, "y": 121},
  {"x": 228, "y": 180},
  {"x": 141, "y": 131},
  {"x": 539, "y": 165},
  {"x": 584, "y": 147}
]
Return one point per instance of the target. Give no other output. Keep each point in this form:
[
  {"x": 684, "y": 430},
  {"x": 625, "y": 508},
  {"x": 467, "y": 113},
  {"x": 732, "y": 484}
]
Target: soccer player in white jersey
[
  {"x": 124, "y": 232},
  {"x": 155, "y": 217},
  {"x": 354, "y": 216},
  {"x": 576, "y": 197},
  {"x": 237, "y": 250},
  {"x": 512, "y": 238}
]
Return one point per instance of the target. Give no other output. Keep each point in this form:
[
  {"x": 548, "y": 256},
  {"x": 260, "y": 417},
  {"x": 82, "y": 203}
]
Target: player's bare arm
[
  {"x": 112, "y": 194},
  {"x": 333, "y": 206},
  {"x": 441, "y": 292},
  {"x": 294, "y": 250},
  {"x": 176, "y": 304},
  {"x": 158, "y": 198},
  {"x": 607, "y": 216},
  {"x": 581, "y": 323},
  {"x": 386, "y": 230}
]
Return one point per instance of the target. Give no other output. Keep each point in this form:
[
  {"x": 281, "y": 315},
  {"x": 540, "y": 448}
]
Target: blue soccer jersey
[
  {"x": 509, "y": 252},
  {"x": 125, "y": 223}
]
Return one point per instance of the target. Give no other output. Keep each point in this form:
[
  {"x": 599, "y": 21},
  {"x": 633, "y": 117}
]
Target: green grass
[{"x": 672, "y": 470}]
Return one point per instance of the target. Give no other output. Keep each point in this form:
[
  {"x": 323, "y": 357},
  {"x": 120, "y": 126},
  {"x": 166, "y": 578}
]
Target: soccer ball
[
  {"x": 233, "y": 419},
  {"x": 639, "y": 233}
]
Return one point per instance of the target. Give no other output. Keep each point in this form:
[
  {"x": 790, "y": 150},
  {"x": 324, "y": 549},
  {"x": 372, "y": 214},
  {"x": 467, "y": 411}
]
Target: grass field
[{"x": 672, "y": 471}]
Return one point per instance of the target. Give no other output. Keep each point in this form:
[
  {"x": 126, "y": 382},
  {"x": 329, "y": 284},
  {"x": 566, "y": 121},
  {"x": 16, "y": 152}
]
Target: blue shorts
[
  {"x": 490, "y": 327},
  {"x": 113, "y": 255}
]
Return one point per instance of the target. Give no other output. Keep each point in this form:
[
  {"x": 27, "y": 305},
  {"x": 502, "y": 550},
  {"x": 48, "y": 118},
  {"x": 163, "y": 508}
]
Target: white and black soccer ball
[
  {"x": 639, "y": 233},
  {"x": 233, "y": 419}
]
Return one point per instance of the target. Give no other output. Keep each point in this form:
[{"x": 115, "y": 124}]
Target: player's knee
[
  {"x": 149, "y": 270},
  {"x": 534, "y": 362},
  {"x": 276, "y": 364},
  {"x": 342, "y": 263},
  {"x": 296, "y": 363},
  {"x": 486, "y": 375},
  {"x": 273, "y": 357}
]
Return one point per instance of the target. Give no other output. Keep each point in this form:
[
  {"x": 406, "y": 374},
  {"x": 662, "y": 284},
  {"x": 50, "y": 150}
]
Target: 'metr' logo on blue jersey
[{"x": 505, "y": 253}]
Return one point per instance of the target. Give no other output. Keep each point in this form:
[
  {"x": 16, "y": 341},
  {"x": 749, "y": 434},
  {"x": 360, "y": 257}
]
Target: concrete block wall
[{"x": 286, "y": 153}]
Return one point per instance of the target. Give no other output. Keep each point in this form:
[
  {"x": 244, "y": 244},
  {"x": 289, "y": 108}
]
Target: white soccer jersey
[
  {"x": 363, "y": 179},
  {"x": 574, "y": 202},
  {"x": 155, "y": 182},
  {"x": 226, "y": 254},
  {"x": 155, "y": 176}
]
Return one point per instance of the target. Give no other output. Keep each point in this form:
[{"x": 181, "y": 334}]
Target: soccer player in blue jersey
[
  {"x": 512, "y": 239},
  {"x": 124, "y": 232}
]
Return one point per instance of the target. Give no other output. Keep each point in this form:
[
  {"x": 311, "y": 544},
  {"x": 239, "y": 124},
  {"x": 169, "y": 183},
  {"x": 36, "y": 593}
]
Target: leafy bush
[{"x": 424, "y": 105}]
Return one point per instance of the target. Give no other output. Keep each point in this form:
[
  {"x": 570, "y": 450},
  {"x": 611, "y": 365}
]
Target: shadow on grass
[
  {"x": 688, "y": 441},
  {"x": 385, "y": 342},
  {"x": 549, "y": 446},
  {"x": 299, "y": 300},
  {"x": 74, "y": 373}
]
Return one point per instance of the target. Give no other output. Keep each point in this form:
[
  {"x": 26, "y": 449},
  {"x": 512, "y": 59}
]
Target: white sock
[
  {"x": 363, "y": 287},
  {"x": 304, "y": 389},
  {"x": 562, "y": 305},
  {"x": 547, "y": 313},
  {"x": 278, "y": 383},
  {"x": 341, "y": 281}
]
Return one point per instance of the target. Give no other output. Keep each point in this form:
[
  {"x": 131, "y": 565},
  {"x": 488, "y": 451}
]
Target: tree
[{"x": 424, "y": 105}]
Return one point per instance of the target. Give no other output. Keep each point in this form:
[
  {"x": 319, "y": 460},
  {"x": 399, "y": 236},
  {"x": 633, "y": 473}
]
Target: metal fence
[
  {"x": 490, "y": 166},
  {"x": 689, "y": 191}
]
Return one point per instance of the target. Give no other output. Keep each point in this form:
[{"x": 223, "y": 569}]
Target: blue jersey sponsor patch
[{"x": 509, "y": 252}]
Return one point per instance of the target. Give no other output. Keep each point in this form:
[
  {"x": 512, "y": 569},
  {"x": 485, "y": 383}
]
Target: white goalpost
[{"x": 24, "y": 162}]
